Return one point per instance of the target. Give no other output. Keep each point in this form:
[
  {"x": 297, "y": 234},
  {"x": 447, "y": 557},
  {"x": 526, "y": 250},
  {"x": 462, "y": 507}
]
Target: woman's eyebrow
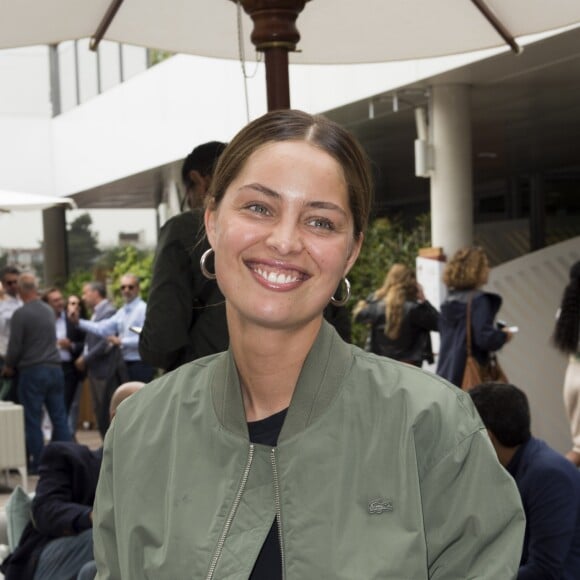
[
  {"x": 262, "y": 189},
  {"x": 313, "y": 204}
]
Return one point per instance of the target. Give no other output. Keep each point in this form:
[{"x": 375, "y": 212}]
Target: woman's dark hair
[
  {"x": 504, "y": 410},
  {"x": 567, "y": 331},
  {"x": 292, "y": 125},
  {"x": 202, "y": 159}
]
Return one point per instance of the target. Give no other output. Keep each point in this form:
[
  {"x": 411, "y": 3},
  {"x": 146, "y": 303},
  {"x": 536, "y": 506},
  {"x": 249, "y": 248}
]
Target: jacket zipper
[
  {"x": 231, "y": 515},
  {"x": 278, "y": 510}
]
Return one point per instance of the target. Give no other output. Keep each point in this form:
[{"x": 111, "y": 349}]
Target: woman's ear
[
  {"x": 209, "y": 219},
  {"x": 354, "y": 253}
]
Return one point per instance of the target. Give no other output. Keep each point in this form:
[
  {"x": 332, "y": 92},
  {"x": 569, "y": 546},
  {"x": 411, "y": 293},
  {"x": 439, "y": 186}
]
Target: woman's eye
[
  {"x": 321, "y": 223},
  {"x": 257, "y": 208}
]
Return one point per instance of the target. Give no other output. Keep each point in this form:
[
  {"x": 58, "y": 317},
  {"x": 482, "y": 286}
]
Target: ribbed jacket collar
[{"x": 318, "y": 384}]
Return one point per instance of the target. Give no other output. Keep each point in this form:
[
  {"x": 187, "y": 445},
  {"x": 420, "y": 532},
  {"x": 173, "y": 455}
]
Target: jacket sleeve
[
  {"x": 101, "y": 346},
  {"x": 104, "y": 537},
  {"x": 473, "y": 515},
  {"x": 485, "y": 336},
  {"x": 370, "y": 312},
  {"x": 425, "y": 316},
  {"x": 165, "y": 333},
  {"x": 106, "y": 327},
  {"x": 54, "y": 510},
  {"x": 551, "y": 511}
]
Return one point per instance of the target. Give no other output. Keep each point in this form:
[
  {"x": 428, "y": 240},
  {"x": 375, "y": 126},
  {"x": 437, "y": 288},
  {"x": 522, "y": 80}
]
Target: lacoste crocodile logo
[{"x": 380, "y": 505}]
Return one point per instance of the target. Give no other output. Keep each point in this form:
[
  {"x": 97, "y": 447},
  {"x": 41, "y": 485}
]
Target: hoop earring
[
  {"x": 345, "y": 298},
  {"x": 209, "y": 275}
]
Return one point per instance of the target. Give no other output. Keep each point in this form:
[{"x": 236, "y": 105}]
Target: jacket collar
[{"x": 318, "y": 384}]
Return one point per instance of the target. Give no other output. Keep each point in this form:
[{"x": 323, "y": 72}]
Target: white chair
[{"x": 12, "y": 441}]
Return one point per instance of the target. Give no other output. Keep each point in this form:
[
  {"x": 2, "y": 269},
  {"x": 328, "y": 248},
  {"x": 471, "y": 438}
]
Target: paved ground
[{"x": 90, "y": 438}]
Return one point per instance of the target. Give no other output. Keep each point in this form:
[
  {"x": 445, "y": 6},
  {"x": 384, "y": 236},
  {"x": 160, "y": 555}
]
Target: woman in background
[
  {"x": 399, "y": 317},
  {"x": 566, "y": 338},
  {"x": 464, "y": 276}
]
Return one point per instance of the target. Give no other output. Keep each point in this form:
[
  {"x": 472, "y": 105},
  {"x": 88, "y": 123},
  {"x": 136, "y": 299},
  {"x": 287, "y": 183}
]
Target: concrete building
[{"x": 486, "y": 142}]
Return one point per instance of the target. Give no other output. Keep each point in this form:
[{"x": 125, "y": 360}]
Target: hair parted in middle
[
  {"x": 466, "y": 268},
  {"x": 293, "y": 125}
]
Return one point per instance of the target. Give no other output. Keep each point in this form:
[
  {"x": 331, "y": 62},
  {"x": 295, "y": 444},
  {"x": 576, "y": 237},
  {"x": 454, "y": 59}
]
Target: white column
[{"x": 451, "y": 178}]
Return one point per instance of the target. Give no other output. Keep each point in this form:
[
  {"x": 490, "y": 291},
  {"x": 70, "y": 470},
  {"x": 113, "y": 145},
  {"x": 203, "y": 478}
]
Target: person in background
[
  {"x": 70, "y": 340},
  {"x": 117, "y": 329},
  {"x": 186, "y": 316},
  {"x": 294, "y": 454},
  {"x": 549, "y": 485},
  {"x": 9, "y": 303},
  {"x": 32, "y": 350},
  {"x": 101, "y": 360},
  {"x": 76, "y": 309},
  {"x": 58, "y": 542},
  {"x": 566, "y": 337},
  {"x": 465, "y": 275},
  {"x": 399, "y": 317}
]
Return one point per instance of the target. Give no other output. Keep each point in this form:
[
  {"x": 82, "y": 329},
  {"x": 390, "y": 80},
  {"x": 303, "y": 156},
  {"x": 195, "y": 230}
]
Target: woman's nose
[{"x": 285, "y": 237}]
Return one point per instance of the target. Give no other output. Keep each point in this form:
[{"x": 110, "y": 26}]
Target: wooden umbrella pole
[
  {"x": 275, "y": 34},
  {"x": 277, "y": 78}
]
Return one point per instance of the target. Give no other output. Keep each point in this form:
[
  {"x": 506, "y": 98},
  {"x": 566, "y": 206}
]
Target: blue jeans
[
  {"x": 37, "y": 386},
  {"x": 63, "y": 558}
]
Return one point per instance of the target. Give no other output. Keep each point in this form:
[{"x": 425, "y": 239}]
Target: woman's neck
[{"x": 269, "y": 362}]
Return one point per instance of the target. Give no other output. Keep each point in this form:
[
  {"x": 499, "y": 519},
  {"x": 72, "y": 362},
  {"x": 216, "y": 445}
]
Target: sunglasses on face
[
  {"x": 128, "y": 287},
  {"x": 73, "y": 303},
  {"x": 10, "y": 282}
]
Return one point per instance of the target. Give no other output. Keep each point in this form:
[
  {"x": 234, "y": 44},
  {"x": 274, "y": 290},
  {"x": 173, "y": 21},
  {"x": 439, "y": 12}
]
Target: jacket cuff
[{"x": 83, "y": 521}]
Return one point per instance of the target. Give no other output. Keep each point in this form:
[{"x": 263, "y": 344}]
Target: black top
[
  {"x": 268, "y": 566},
  {"x": 186, "y": 315}
]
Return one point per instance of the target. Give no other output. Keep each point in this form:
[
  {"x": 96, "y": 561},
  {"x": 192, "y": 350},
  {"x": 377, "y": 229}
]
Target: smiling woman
[{"x": 293, "y": 454}]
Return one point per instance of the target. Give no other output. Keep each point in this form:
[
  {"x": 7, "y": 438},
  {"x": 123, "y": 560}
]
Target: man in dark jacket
[
  {"x": 58, "y": 541},
  {"x": 185, "y": 317},
  {"x": 548, "y": 483}
]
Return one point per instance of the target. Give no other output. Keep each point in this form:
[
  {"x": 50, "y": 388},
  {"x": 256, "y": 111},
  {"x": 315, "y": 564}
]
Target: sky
[{"x": 23, "y": 229}]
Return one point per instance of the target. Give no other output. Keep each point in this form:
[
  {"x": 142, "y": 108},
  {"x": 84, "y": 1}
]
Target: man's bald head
[{"x": 123, "y": 392}]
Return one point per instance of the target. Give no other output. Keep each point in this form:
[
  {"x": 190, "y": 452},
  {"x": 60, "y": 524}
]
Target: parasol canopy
[
  {"x": 323, "y": 31},
  {"x": 18, "y": 201}
]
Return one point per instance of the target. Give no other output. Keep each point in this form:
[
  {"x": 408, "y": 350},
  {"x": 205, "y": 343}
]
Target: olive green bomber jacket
[{"x": 382, "y": 471}]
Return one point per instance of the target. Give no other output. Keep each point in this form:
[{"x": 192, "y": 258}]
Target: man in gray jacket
[
  {"x": 101, "y": 359},
  {"x": 32, "y": 350}
]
